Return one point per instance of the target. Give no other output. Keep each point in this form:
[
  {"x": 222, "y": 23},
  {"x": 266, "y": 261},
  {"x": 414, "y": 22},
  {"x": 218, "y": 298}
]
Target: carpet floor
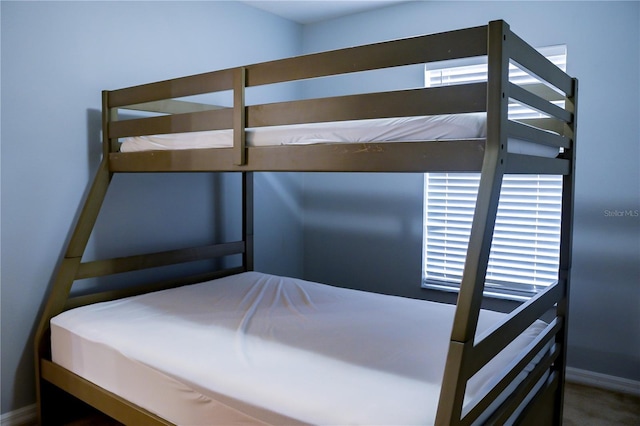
[{"x": 588, "y": 406}]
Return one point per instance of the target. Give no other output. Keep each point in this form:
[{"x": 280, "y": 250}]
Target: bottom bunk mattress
[{"x": 261, "y": 349}]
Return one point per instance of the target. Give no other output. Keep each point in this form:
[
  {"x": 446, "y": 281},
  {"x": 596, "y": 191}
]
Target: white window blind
[
  {"x": 525, "y": 250},
  {"x": 526, "y": 242}
]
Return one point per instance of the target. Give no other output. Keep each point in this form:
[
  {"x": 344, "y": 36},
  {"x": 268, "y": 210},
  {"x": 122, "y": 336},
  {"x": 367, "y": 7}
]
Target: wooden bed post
[
  {"x": 566, "y": 243},
  {"x": 239, "y": 117},
  {"x": 475, "y": 268},
  {"x": 247, "y": 220}
]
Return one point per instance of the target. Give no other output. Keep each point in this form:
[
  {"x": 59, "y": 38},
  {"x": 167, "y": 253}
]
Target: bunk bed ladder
[
  {"x": 247, "y": 220},
  {"x": 466, "y": 356}
]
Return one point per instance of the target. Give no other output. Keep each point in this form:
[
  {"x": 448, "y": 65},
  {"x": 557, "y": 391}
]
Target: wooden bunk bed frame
[{"x": 490, "y": 156}]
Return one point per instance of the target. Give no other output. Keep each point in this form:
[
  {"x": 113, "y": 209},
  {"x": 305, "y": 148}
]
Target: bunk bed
[{"x": 349, "y": 356}]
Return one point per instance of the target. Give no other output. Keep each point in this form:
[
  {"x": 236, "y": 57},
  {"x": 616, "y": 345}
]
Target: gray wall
[
  {"x": 370, "y": 225},
  {"x": 56, "y": 58}
]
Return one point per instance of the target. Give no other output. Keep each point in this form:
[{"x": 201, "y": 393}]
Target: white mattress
[
  {"x": 403, "y": 129},
  {"x": 261, "y": 349}
]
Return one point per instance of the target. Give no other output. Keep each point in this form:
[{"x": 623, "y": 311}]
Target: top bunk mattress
[
  {"x": 401, "y": 129},
  {"x": 278, "y": 350}
]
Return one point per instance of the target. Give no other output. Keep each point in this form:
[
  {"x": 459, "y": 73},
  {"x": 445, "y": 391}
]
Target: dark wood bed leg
[
  {"x": 59, "y": 408},
  {"x": 247, "y": 220},
  {"x": 566, "y": 243},
  {"x": 239, "y": 117},
  {"x": 542, "y": 410}
]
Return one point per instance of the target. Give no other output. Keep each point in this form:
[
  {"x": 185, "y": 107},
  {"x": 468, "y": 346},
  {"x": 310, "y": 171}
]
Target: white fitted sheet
[
  {"x": 402, "y": 129},
  {"x": 255, "y": 348}
]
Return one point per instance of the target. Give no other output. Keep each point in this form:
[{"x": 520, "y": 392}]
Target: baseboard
[
  {"x": 603, "y": 381},
  {"x": 25, "y": 416}
]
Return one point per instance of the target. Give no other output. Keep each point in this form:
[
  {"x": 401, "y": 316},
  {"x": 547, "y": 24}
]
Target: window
[{"x": 525, "y": 250}]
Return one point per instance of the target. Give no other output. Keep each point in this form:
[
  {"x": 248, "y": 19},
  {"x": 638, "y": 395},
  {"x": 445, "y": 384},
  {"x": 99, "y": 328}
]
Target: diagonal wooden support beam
[{"x": 465, "y": 322}]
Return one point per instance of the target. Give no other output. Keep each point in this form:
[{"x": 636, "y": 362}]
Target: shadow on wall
[
  {"x": 364, "y": 240},
  {"x": 94, "y": 153},
  {"x": 94, "y": 140},
  {"x": 151, "y": 212},
  {"x": 278, "y": 228},
  {"x": 371, "y": 238}
]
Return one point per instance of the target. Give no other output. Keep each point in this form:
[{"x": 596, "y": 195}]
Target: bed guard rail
[{"x": 186, "y": 116}]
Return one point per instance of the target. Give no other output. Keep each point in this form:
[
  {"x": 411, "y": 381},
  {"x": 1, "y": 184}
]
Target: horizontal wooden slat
[
  {"x": 193, "y": 160},
  {"x": 461, "y": 156},
  {"x": 102, "y": 296},
  {"x": 532, "y": 134},
  {"x": 175, "y": 88},
  {"x": 550, "y": 124},
  {"x": 513, "y": 370},
  {"x": 403, "y": 103},
  {"x": 544, "y": 91},
  {"x": 535, "y": 63},
  {"x": 543, "y": 406},
  {"x": 515, "y": 399},
  {"x": 133, "y": 263},
  {"x": 465, "y": 155},
  {"x": 529, "y": 164},
  {"x": 538, "y": 103},
  {"x": 415, "y": 50},
  {"x": 172, "y": 106},
  {"x": 176, "y": 123},
  {"x": 497, "y": 338}
]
